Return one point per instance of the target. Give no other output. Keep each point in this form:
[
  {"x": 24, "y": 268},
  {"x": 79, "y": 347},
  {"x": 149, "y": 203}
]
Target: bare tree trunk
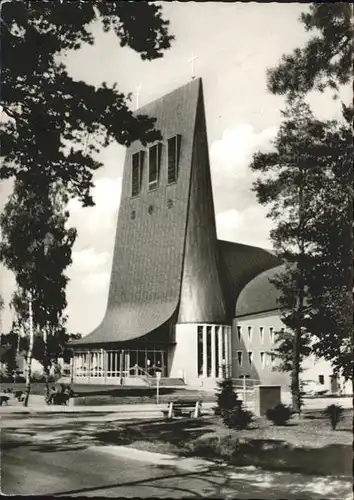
[
  {"x": 296, "y": 362},
  {"x": 30, "y": 350},
  {"x": 300, "y": 292},
  {"x": 46, "y": 364}
]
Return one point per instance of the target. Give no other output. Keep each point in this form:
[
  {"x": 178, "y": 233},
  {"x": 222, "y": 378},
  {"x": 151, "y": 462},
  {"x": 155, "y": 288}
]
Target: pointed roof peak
[{"x": 196, "y": 82}]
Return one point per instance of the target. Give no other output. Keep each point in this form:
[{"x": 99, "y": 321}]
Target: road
[{"x": 60, "y": 456}]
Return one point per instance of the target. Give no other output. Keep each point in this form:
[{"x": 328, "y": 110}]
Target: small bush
[
  {"x": 237, "y": 418},
  {"x": 335, "y": 414},
  {"x": 279, "y": 415},
  {"x": 226, "y": 397}
]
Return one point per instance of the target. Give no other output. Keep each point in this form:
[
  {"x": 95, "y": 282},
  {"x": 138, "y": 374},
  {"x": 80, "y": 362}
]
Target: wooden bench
[{"x": 183, "y": 408}]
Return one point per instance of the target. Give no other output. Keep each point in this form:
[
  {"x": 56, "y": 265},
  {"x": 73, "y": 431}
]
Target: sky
[{"x": 235, "y": 44}]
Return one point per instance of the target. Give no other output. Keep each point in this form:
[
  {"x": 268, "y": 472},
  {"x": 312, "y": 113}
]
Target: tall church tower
[{"x": 167, "y": 290}]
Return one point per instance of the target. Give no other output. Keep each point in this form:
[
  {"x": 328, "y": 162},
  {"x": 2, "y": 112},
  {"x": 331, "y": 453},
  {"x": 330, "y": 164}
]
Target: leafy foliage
[
  {"x": 335, "y": 414},
  {"x": 37, "y": 246},
  {"x": 57, "y": 346},
  {"x": 326, "y": 59},
  {"x": 9, "y": 352},
  {"x": 279, "y": 415},
  {"x": 49, "y": 114},
  {"x": 330, "y": 283}
]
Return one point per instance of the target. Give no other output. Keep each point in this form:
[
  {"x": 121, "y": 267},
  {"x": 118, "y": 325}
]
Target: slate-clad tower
[{"x": 169, "y": 305}]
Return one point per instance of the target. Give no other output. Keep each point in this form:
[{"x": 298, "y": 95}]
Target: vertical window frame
[
  {"x": 178, "y": 139},
  {"x": 261, "y": 334},
  {"x": 200, "y": 350},
  {"x": 140, "y": 170},
  {"x": 271, "y": 334},
  {"x": 209, "y": 350},
  {"x": 239, "y": 332},
  {"x": 154, "y": 184},
  {"x": 239, "y": 355}
]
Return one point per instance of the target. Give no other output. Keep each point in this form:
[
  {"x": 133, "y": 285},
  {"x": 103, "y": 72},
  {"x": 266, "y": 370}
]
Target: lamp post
[{"x": 158, "y": 376}]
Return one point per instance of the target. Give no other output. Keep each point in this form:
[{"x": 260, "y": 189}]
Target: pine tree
[
  {"x": 326, "y": 59},
  {"x": 288, "y": 179},
  {"x": 326, "y": 62}
]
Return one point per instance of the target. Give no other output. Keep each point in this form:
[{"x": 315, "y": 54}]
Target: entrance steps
[{"x": 165, "y": 382}]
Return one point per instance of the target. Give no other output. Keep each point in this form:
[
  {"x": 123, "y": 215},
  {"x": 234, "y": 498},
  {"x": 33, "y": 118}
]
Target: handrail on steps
[{"x": 138, "y": 369}]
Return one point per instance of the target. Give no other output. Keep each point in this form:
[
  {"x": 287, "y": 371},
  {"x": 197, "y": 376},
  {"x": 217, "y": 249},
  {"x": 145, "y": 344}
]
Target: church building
[{"x": 175, "y": 289}]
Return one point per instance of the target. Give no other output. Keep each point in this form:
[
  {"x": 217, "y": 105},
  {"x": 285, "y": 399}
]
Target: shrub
[
  {"x": 335, "y": 414},
  {"x": 237, "y": 418},
  {"x": 279, "y": 414},
  {"x": 230, "y": 407},
  {"x": 226, "y": 397}
]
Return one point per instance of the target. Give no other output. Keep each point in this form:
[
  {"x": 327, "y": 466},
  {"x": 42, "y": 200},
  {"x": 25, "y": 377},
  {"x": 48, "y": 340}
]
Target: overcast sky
[{"x": 235, "y": 44}]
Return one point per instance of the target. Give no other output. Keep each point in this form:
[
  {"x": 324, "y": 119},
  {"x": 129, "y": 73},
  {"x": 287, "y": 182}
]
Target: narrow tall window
[
  {"x": 208, "y": 333},
  {"x": 271, "y": 333},
  {"x": 137, "y": 172},
  {"x": 261, "y": 333},
  {"x": 239, "y": 358},
  {"x": 250, "y": 358},
  {"x": 173, "y": 153},
  {"x": 321, "y": 379},
  {"x": 218, "y": 331},
  {"x": 239, "y": 333},
  {"x": 154, "y": 165},
  {"x": 250, "y": 333},
  {"x": 262, "y": 359},
  {"x": 200, "y": 350}
]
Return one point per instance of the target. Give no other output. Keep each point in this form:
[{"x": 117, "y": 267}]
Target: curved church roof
[{"x": 259, "y": 295}]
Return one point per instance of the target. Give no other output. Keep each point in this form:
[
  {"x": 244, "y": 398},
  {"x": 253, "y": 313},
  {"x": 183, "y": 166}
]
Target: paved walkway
[{"x": 48, "y": 462}]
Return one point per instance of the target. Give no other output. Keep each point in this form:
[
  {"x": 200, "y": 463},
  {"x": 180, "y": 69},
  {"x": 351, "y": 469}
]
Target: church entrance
[
  {"x": 148, "y": 361},
  {"x": 120, "y": 363}
]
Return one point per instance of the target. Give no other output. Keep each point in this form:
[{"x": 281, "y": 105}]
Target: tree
[
  {"x": 326, "y": 62},
  {"x": 9, "y": 342},
  {"x": 331, "y": 283},
  {"x": 37, "y": 247},
  {"x": 49, "y": 114},
  {"x": 326, "y": 59},
  {"x": 283, "y": 349},
  {"x": 289, "y": 178}
]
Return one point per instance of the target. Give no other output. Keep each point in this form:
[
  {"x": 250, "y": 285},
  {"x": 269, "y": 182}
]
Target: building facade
[
  {"x": 255, "y": 330},
  {"x": 181, "y": 302},
  {"x": 173, "y": 284}
]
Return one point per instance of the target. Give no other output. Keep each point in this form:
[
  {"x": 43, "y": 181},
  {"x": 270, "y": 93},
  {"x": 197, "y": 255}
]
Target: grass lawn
[{"x": 307, "y": 445}]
